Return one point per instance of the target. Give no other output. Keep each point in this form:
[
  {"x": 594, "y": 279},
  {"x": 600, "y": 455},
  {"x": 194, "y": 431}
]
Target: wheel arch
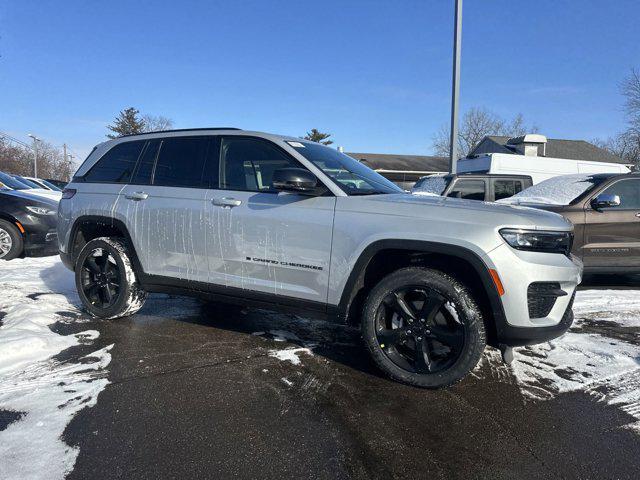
[
  {"x": 384, "y": 256},
  {"x": 88, "y": 227}
]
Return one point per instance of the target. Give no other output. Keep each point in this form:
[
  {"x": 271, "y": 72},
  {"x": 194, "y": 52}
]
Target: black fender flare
[
  {"x": 423, "y": 247},
  {"x": 100, "y": 220}
]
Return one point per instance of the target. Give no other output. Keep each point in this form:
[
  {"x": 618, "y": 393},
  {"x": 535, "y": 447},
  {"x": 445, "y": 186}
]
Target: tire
[
  {"x": 422, "y": 327},
  {"x": 11, "y": 241},
  {"x": 105, "y": 279}
]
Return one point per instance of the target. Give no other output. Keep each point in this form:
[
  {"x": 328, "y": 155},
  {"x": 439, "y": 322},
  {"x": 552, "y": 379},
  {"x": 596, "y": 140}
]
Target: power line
[{"x": 15, "y": 140}]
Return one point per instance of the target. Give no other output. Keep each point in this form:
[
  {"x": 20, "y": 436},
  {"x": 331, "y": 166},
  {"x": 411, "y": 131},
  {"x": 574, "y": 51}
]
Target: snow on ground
[
  {"x": 44, "y": 392},
  {"x": 600, "y": 355}
]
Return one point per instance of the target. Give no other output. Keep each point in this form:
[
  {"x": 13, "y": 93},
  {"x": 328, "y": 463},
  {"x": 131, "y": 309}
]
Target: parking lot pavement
[{"x": 200, "y": 390}]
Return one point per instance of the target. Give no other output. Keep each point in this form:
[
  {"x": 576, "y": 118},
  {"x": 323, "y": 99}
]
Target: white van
[{"x": 538, "y": 168}]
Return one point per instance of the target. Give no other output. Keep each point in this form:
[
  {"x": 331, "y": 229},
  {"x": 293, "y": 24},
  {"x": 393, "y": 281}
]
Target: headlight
[
  {"x": 538, "y": 241},
  {"x": 41, "y": 210}
]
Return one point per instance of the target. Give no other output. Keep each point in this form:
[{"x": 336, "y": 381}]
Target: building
[
  {"x": 404, "y": 170},
  {"x": 540, "y": 146}
]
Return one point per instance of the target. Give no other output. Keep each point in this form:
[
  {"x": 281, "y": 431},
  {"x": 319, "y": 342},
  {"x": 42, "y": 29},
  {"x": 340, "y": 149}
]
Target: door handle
[
  {"x": 226, "y": 202},
  {"x": 137, "y": 196}
]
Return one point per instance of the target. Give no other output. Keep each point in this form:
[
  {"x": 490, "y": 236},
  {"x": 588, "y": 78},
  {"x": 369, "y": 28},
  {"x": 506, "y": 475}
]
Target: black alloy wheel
[
  {"x": 419, "y": 330},
  {"x": 101, "y": 278}
]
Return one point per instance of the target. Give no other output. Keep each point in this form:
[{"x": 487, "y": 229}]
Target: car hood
[
  {"x": 42, "y": 193},
  {"x": 29, "y": 196},
  {"x": 455, "y": 209}
]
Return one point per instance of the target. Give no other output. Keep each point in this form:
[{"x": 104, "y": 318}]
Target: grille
[{"x": 541, "y": 297}]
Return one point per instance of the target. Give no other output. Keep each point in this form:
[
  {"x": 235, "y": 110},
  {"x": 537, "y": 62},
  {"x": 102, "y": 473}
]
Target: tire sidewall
[
  {"x": 17, "y": 242},
  {"x": 120, "y": 305},
  {"x": 466, "y": 309}
]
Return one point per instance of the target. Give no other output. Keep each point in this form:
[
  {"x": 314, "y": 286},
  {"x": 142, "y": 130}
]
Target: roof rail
[{"x": 180, "y": 130}]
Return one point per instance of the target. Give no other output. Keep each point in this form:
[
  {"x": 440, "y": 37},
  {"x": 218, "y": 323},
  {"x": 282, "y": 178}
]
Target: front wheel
[
  {"x": 422, "y": 327},
  {"x": 105, "y": 279}
]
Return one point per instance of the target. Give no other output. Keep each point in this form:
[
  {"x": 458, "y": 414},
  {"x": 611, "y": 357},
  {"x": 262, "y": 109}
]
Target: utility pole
[
  {"x": 35, "y": 154},
  {"x": 455, "y": 87},
  {"x": 64, "y": 148}
]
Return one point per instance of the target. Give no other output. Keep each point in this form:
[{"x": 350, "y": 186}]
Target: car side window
[
  {"x": 248, "y": 164},
  {"x": 116, "y": 166},
  {"x": 628, "y": 191},
  {"x": 144, "y": 170},
  {"x": 181, "y": 162},
  {"x": 469, "y": 189},
  {"x": 506, "y": 188}
]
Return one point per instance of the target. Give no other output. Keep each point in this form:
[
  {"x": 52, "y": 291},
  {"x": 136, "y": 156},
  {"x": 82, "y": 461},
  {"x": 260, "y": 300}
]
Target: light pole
[
  {"x": 455, "y": 87},
  {"x": 35, "y": 154}
]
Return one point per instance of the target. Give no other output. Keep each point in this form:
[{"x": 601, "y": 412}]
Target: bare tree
[
  {"x": 156, "y": 123},
  {"x": 626, "y": 145},
  {"x": 18, "y": 160},
  {"x": 476, "y": 124}
]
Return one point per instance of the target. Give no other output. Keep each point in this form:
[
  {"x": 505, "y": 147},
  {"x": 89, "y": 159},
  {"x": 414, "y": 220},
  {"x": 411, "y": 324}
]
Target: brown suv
[{"x": 605, "y": 209}]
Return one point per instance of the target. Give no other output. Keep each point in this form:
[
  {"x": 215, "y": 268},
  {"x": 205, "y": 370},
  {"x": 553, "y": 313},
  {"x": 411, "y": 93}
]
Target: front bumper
[
  {"x": 41, "y": 242},
  {"x": 518, "y": 270}
]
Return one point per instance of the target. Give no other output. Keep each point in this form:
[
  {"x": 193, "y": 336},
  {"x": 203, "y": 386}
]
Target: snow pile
[
  {"x": 290, "y": 354},
  {"x": 554, "y": 191},
  {"x": 46, "y": 392},
  {"x": 599, "y": 355},
  {"x": 433, "y": 186}
]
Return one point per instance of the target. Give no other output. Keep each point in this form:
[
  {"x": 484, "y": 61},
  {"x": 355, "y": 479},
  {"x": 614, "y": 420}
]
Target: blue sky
[{"x": 376, "y": 74}]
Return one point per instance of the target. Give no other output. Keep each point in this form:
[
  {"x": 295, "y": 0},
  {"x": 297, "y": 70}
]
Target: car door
[
  {"x": 612, "y": 234},
  {"x": 165, "y": 206},
  {"x": 269, "y": 242}
]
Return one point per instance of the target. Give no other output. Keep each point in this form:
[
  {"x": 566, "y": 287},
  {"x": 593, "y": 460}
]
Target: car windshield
[
  {"x": 28, "y": 183},
  {"x": 12, "y": 183},
  {"x": 562, "y": 190},
  {"x": 432, "y": 185},
  {"x": 350, "y": 175}
]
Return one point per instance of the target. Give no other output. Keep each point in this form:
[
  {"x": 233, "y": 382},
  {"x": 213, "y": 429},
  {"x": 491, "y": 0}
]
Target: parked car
[
  {"x": 274, "y": 221},
  {"x": 44, "y": 184},
  {"x": 27, "y": 224},
  {"x": 605, "y": 209},
  {"x": 488, "y": 188},
  {"x": 10, "y": 182},
  {"x": 58, "y": 183}
]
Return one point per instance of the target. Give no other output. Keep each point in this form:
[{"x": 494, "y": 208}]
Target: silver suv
[{"x": 264, "y": 219}]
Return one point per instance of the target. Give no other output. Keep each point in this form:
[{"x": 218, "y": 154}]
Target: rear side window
[
  {"x": 145, "y": 167},
  {"x": 506, "y": 188},
  {"x": 181, "y": 162},
  {"x": 116, "y": 166},
  {"x": 469, "y": 189},
  {"x": 248, "y": 164}
]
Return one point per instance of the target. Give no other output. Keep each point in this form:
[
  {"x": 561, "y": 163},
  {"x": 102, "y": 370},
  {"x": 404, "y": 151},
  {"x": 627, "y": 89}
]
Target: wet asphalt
[{"x": 195, "y": 393}]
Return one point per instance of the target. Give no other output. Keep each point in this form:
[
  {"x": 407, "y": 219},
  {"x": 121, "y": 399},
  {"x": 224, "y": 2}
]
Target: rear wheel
[
  {"x": 11, "y": 242},
  {"x": 422, "y": 327},
  {"x": 105, "y": 279}
]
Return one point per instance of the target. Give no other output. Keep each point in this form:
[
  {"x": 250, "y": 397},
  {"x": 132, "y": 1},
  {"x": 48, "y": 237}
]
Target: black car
[{"x": 27, "y": 224}]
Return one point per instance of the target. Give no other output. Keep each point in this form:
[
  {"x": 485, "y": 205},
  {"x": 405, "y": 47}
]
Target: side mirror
[
  {"x": 605, "y": 201},
  {"x": 297, "y": 180}
]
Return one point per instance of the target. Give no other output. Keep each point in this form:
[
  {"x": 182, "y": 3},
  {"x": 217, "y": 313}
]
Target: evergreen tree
[
  {"x": 316, "y": 136},
  {"x": 126, "y": 123}
]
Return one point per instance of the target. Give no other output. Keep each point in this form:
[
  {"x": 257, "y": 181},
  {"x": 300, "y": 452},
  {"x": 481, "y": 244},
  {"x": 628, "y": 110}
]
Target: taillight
[{"x": 68, "y": 192}]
